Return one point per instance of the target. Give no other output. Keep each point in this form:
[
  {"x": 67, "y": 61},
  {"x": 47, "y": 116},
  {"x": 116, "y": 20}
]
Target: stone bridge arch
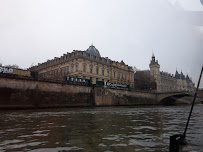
[{"x": 170, "y": 98}]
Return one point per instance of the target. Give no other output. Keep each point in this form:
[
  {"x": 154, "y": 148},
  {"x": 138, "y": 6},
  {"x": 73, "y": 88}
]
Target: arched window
[
  {"x": 91, "y": 69},
  {"x": 68, "y": 69},
  {"x": 76, "y": 68},
  {"x": 118, "y": 76},
  {"x": 84, "y": 68}
]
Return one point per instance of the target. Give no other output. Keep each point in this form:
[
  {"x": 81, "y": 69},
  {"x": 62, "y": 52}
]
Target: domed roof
[{"x": 93, "y": 50}]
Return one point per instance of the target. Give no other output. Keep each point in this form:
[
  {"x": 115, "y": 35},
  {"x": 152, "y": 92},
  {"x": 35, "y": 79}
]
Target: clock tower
[{"x": 155, "y": 72}]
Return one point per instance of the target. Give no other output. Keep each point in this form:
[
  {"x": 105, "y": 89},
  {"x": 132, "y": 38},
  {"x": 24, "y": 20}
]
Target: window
[
  {"x": 84, "y": 77},
  {"x": 103, "y": 80},
  {"x": 90, "y": 69},
  {"x": 67, "y": 69},
  {"x": 87, "y": 54},
  {"x": 96, "y": 79},
  {"x": 97, "y": 71},
  {"x": 62, "y": 71},
  {"x": 102, "y": 72},
  {"x": 72, "y": 69},
  {"x": 114, "y": 74},
  {"x": 76, "y": 68},
  {"x": 107, "y": 73},
  {"x": 84, "y": 68}
]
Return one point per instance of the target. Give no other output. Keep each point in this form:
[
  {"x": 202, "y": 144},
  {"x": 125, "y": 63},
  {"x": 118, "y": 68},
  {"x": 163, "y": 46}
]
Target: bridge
[
  {"x": 169, "y": 98},
  {"x": 123, "y": 97}
]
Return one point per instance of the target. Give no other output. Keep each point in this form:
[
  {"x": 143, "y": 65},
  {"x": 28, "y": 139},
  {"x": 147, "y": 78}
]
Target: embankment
[
  {"x": 19, "y": 93},
  {"x": 22, "y": 93},
  {"x": 111, "y": 97}
]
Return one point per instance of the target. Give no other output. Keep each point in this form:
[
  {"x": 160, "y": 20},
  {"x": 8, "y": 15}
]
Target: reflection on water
[{"x": 105, "y": 129}]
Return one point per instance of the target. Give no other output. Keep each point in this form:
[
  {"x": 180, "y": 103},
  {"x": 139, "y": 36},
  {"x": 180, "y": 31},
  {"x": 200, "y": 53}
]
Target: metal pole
[{"x": 184, "y": 134}]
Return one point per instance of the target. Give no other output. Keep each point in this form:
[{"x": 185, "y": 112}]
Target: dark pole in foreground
[
  {"x": 184, "y": 134},
  {"x": 177, "y": 140}
]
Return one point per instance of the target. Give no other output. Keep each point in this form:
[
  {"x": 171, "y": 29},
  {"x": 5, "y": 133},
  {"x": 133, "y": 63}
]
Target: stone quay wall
[
  {"x": 111, "y": 97},
  {"x": 20, "y": 93},
  {"x": 24, "y": 93}
]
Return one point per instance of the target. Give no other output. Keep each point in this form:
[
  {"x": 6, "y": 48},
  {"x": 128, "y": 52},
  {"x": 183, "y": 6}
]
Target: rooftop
[{"x": 93, "y": 50}]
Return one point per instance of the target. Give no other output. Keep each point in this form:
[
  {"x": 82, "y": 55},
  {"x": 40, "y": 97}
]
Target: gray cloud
[{"x": 34, "y": 31}]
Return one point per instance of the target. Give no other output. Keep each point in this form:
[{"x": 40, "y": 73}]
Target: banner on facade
[
  {"x": 18, "y": 72},
  {"x": 72, "y": 79},
  {"x": 108, "y": 84},
  {"x": 6, "y": 70}
]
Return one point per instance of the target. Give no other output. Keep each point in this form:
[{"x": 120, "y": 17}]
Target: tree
[
  {"x": 135, "y": 69},
  {"x": 143, "y": 81}
]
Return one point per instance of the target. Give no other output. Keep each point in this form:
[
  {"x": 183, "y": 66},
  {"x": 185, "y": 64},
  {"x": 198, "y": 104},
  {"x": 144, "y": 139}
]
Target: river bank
[{"x": 26, "y": 94}]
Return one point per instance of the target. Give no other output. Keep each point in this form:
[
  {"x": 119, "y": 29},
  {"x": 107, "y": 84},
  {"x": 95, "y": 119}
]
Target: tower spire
[
  {"x": 153, "y": 57},
  {"x": 153, "y": 53}
]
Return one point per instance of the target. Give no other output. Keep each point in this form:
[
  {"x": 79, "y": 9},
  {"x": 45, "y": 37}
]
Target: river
[{"x": 100, "y": 129}]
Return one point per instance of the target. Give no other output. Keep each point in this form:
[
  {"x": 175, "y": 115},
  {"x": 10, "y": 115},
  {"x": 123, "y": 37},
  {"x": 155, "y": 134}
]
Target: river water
[{"x": 100, "y": 129}]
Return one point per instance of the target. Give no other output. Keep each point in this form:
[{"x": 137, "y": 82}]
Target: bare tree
[
  {"x": 143, "y": 81},
  {"x": 135, "y": 69},
  {"x": 12, "y": 66}
]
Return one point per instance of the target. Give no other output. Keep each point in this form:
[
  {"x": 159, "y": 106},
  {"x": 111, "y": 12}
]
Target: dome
[{"x": 93, "y": 50}]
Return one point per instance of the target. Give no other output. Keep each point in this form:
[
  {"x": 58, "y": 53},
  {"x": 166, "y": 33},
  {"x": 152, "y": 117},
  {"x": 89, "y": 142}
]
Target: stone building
[
  {"x": 86, "y": 65},
  {"x": 168, "y": 83}
]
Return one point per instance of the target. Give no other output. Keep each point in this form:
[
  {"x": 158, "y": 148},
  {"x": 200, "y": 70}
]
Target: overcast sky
[{"x": 34, "y": 31}]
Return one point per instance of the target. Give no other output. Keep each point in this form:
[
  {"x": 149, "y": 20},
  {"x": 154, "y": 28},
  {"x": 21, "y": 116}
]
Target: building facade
[
  {"x": 168, "y": 83},
  {"x": 86, "y": 65}
]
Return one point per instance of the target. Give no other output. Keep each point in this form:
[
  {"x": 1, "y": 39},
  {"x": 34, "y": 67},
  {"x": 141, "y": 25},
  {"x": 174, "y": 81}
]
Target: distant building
[
  {"x": 87, "y": 65},
  {"x": 166, "y": 82}
]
